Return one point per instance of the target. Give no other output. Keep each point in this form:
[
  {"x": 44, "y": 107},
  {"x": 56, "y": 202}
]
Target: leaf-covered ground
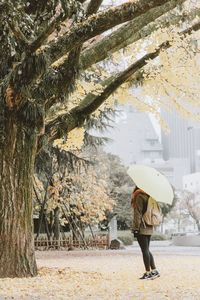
[{"x": 106, "y": 275}]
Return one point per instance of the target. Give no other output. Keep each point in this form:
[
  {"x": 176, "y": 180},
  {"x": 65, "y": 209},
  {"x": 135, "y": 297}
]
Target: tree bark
[
  {"x": 57, "y": 226},
  {"x": 98, "y": 24},
  {"x": 130, "y": 33},
  {"x": 17, "y": 257}
]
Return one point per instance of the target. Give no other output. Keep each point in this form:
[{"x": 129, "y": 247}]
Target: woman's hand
[{"x": 135, "y": 233}]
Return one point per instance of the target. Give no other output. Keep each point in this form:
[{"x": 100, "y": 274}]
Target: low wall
[{"x": 186, "y": 240}]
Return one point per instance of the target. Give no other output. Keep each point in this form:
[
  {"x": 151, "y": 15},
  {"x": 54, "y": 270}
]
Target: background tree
[
  {"x": 75, "y": 188},
  {"x": 185, "y": 210},
  {"x": 191, "y": 202},
  {"x": 120, "y": 187},
  {"x": 44, "y": 47},
  {"x": 81, "y": 197}
]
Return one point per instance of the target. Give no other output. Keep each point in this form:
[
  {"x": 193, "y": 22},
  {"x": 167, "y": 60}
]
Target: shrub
[
  {"x": 159, "y": 237},
  {"x": 126, "y": 237}
]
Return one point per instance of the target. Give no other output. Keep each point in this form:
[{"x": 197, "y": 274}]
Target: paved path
[{"x": 167, "y": 248}]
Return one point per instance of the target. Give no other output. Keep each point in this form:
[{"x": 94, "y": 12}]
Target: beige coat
[{"x": 138, "y": 224}]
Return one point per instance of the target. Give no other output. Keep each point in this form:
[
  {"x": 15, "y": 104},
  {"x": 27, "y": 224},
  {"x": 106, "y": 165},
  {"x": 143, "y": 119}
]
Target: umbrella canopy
[{"x": 152, "y": 182}]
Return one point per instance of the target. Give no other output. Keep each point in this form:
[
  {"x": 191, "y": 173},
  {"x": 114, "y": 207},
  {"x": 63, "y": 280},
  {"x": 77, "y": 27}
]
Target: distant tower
[
  {"x": 183, "y": 140},
  {"x": 133, "y": 137}
]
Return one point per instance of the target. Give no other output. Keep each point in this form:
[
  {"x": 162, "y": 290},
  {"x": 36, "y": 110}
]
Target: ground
[{"x": 109, "y": 275}]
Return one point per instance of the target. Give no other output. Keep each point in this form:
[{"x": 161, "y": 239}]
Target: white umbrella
[{"x": 152, "y": 182}]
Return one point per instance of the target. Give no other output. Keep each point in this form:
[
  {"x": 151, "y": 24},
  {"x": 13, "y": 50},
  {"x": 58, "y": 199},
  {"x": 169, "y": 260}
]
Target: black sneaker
[
  {"x": 146, "y": 276},
  {"x": 155, "y": 274}
]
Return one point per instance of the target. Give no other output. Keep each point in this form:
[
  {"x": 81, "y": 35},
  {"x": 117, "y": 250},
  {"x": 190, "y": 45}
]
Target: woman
[{"x": 143, "y": 232}]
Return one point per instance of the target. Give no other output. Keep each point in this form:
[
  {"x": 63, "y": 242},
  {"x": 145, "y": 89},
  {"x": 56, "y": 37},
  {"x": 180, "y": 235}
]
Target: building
[
  {"x": 135, "y": 140},
  {"x": 173, "y": 169},
  {"x": 191, "y": 182},
  {"x": 133, "y": 137},
  {"x": 183, "y": 140}
]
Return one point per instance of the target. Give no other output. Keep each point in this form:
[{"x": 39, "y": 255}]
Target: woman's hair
[{"x": 134, "y": 194}]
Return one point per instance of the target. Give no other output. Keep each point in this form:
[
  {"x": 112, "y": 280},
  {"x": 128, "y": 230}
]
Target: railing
[
  {"x": 97, "y": 242},
  {"x": 186, "y": 239},
  {"x": 187, "y": 233}
]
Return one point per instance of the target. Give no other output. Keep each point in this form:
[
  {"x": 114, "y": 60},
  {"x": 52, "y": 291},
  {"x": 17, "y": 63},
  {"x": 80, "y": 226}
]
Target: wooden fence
[{"x": 96, "y": 242}]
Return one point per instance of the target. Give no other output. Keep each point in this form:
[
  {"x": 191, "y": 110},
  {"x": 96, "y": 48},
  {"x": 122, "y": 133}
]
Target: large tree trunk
[{"x": 17, "y": 157}]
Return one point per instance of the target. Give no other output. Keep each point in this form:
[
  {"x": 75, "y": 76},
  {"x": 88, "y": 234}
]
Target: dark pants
[{"x": 144, "y": 241}]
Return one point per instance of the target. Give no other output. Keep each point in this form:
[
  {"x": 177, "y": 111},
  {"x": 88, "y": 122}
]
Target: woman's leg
[
  {"x": 143, "y": 241},
  {"x": 152, "y": 263}
]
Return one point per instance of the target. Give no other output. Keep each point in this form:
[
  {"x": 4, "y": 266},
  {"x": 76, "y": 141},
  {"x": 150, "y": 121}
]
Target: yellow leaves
[
  {"x": 172, "y": 81},
  {"x": 75, "y": 140},
  {"x": 52, "y": 204},
  {"x": 164, "y": 34},
  {"x": 105, "y": 275},
  {"x": 54, "y": 193},
  {"x": 150, "y": 48},
  {"x": 116, "y": 57},
  {"x": 9, "y": 98},
  {"x": 38, "y": 183},
  {"x": 164, "y": 59},
  {"x": 80, "y": 89},
  {"x": 88, "y": 199},
  {"x": 82, "y": 195},
  {"x": 85, "y": 87},
  {"x": 63, "y": 221}
]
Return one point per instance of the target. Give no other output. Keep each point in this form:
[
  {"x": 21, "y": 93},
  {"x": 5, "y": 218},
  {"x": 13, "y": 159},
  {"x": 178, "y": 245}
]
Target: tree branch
[
  {"x": 91, "y": 102},
  {"x": 93, "y": 6},
  {"x": 20, "y": 37},
  {"x": 70, "y": 68},
  {"x": 25, "y": 73},
  {"x": 95, "y": 25},
  {"x": 51, "y": 27},
  {"x": 128, "y": 33},
  {"x": 76, "y": 116},
  {"x": 15, "y": 18},
  {"x": 46, "y": 32},
  {"x": 138, "y": 77},
  {"x": 68, "y": 72}
]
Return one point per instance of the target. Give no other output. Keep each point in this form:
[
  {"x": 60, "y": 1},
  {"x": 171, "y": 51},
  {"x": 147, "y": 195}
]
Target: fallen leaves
[{"x": 105, "y": 276}]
